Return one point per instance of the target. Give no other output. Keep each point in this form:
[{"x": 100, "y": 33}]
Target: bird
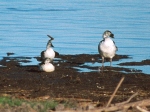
[
  {"x": 107, "y": 47},
  {"x": 46, "y": 66},
  {"x": 49, "y": 52}
]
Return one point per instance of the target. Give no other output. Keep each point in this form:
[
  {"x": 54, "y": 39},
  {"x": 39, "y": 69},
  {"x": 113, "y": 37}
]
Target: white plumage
[
  {"x": 107, "y": 47},
  {"x": 46, "y": 66},
  {"x": 49, "y": 52}
]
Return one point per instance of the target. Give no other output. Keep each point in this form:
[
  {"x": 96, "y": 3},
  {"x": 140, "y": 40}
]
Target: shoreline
[
  {"x": 81, "y": 62},
  {"x": 68, "y": 82}
]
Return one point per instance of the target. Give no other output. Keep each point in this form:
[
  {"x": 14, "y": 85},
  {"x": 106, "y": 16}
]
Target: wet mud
[{"x": 68, "y": 82}]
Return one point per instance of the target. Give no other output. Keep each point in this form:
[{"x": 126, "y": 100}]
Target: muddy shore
[{"x": 68, "y": 82}]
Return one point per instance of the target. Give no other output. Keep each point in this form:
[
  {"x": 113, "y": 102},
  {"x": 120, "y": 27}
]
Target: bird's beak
[{"x": 112, "y": 35}]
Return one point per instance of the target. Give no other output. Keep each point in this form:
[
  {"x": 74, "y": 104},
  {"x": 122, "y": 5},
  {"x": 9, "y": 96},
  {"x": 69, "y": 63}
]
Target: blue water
[{"x": 77, "y": 26}]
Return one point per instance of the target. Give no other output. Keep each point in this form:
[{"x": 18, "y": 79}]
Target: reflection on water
[{"x": 77, "y": 27}]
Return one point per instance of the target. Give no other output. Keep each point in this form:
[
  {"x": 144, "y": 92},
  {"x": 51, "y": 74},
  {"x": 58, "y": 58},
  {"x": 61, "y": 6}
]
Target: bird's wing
[
  {"x": 56, "y": 53},
  {"x": 42, "y": 55},
  {"x": 99, "y": 46},
  {"x": 115, "y": 46}
]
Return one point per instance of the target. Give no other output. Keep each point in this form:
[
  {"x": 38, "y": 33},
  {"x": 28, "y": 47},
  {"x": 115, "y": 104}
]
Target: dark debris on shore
[{"x": 67, "y": 82}]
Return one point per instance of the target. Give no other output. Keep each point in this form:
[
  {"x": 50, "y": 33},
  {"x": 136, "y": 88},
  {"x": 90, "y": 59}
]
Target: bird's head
[
  {"x": 108, "y": 33},
  {"x": 47, "y": 60}
]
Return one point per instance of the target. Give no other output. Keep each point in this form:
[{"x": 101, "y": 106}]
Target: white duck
[
  {"x": 107, "y": 47},
  {"x": 46, "y": 66},
  {"x": 49, "y": 52}
]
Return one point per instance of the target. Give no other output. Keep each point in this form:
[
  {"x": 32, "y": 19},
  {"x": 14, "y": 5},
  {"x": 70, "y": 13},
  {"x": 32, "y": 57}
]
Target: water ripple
[{"x": 40, "y": 9}]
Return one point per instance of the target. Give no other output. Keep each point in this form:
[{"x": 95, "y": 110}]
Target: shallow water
[{"x": 77, "y": 27}]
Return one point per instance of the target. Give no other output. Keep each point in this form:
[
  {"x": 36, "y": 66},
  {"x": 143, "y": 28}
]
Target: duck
[
  {"x": 107, "y": 47},
  {"x": 46, "y": 66},
  {"x": 49, "y": 52}
]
